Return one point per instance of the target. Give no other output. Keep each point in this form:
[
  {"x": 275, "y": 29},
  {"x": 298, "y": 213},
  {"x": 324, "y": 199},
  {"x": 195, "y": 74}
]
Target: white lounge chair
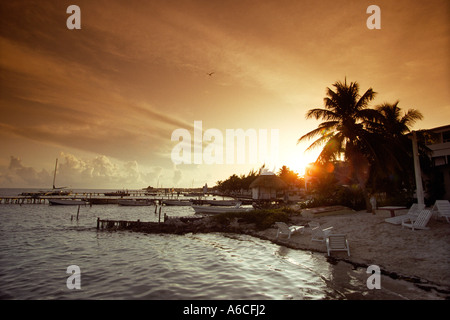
[
  {"x": 317, "y": 233},
  {"x": 412, "y": 213},
  {"x": 442, "y": 209},
  {"x": 337, "y": 242},
  {"x": 420, "y": 222},
  {"x": 284, "y": 229}
]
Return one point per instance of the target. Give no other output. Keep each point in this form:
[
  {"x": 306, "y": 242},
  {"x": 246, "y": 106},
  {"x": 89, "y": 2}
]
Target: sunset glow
[{"x": 106, "y": 98}]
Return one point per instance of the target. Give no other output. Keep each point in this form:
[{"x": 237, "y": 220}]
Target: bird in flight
[{"x": 210, "y": 74}]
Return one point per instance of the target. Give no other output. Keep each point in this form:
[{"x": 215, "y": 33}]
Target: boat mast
[{"x": 54, "y": 176}]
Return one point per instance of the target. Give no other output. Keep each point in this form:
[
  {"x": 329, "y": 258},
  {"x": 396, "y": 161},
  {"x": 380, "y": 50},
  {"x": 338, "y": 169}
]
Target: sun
[
  {"x": 297, "y": 160},
  {"x": 298, "y": 167}
]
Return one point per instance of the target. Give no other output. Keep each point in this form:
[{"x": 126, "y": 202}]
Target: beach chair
[
  {"x": 284, "y": 229},
  {"x": 442, "y": 209},
  {"x": 317, "y": 233},
  {"x": 337, "y": 242},
  {"x": 420, "y": 222},
  {"x": 412, "y": 213}
]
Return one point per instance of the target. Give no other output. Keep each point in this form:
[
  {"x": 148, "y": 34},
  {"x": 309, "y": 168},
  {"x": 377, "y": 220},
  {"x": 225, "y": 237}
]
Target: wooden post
[
  {"x": 98, "y": 223},
  {"x": 78, "y": 211}
]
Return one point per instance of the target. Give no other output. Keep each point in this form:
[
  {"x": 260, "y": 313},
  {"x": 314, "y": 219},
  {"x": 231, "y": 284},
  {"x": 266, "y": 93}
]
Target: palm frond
[
  {"x": 320, "y": 114},
  {"x": 323, "y": 129},
  {"x": 332, "y": 148},
  {"x": 321, "y": 141},
  {"x": 411, "y": 116},
  {"x": 364, "y": 100}
]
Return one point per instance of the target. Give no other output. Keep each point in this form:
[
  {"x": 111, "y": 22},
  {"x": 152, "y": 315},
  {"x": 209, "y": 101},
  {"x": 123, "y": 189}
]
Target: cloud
[
  {"x": 100, "y": 172},
  {"x": 16, "y": 174},
  {"x": 66, "y": 103}
]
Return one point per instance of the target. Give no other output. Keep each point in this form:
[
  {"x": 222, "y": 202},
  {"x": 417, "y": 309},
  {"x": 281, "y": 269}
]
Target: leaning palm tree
[{"x": 343, "y": 134}]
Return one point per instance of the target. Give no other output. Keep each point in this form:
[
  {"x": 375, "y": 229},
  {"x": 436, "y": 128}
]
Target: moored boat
[
  {"x": 222, "y": 202},
  {"x": 136, "y": 202},
  {"x": 66, "y": 202},
  {"x": 220, "y": 209},
  {"x": 177, "y": 202}
]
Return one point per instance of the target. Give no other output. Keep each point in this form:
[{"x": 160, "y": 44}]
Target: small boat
[
  {"x": 66, "y": 202},
  {"x": 56, "y": 193},
  {"x": 220, "y": 209},
  {"x": 222, "y": 202},
  {"x": 136, "y": 203},
  {"x": 103, "y": 201},
  {"x": 177, "y": 202}
]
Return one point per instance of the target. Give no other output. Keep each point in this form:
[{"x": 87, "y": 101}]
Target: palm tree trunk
[
  {"x": 361, "y": 167},
  {"x": 363, "y": 188}
]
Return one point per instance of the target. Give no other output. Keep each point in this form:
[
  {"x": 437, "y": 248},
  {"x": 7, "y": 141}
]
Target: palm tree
[
  {"x": 344, "y": 133},
  {"x": 288, "y": 176},
  {"x": 347, "y": 115},
  {"x": 391, "y": 129},
  {"x": 392, "y": 121}
]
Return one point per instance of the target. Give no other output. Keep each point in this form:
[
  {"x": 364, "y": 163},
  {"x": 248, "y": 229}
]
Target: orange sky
[{"x": 105, "y": 99}]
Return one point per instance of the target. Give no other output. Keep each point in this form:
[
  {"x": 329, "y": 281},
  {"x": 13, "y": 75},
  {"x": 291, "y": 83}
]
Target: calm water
[{"x": 39, "y": 242}]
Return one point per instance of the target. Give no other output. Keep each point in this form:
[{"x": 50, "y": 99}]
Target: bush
[
  {"x": 262, "y": 219},
  {"x": 349, "y": 196}
]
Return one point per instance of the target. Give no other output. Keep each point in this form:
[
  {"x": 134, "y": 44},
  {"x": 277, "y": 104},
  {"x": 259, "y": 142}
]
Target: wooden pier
[
  {"x": 119, "y": 224},
  {"x": 36, "y": 200},
  {"x": 22, "y": 200},
  {"x": 89, "y": 200},
  {"x": 93, "y": 198},
  {"x": 186, "y": 225}
]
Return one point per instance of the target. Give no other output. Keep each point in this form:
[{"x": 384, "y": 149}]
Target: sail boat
[
  {"x": 59, "y": 192},
  {"x": 56, "y": 191}
]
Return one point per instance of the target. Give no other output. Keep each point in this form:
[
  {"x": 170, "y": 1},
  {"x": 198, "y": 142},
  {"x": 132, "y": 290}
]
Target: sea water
[{"x": 38, "y": 242}]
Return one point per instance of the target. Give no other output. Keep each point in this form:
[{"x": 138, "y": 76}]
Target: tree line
[{"x": 235, "y": 183}]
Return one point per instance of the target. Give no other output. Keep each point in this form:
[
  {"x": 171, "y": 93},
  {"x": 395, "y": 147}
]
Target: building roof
[{"x": 270, "y": 181}]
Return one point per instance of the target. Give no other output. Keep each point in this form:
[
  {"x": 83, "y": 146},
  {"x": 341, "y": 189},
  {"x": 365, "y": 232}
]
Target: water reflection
[{"x": 38, "y": 242}]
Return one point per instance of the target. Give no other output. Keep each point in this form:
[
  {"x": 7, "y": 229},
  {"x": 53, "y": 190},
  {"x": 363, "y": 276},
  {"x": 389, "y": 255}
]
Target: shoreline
[{"x": 421, "y": 256}]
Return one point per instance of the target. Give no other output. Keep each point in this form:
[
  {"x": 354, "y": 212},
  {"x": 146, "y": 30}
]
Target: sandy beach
[{"x": 422, "y": 255}]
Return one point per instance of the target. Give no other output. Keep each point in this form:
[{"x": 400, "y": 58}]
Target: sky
[{"x": 114, "y": 100}]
